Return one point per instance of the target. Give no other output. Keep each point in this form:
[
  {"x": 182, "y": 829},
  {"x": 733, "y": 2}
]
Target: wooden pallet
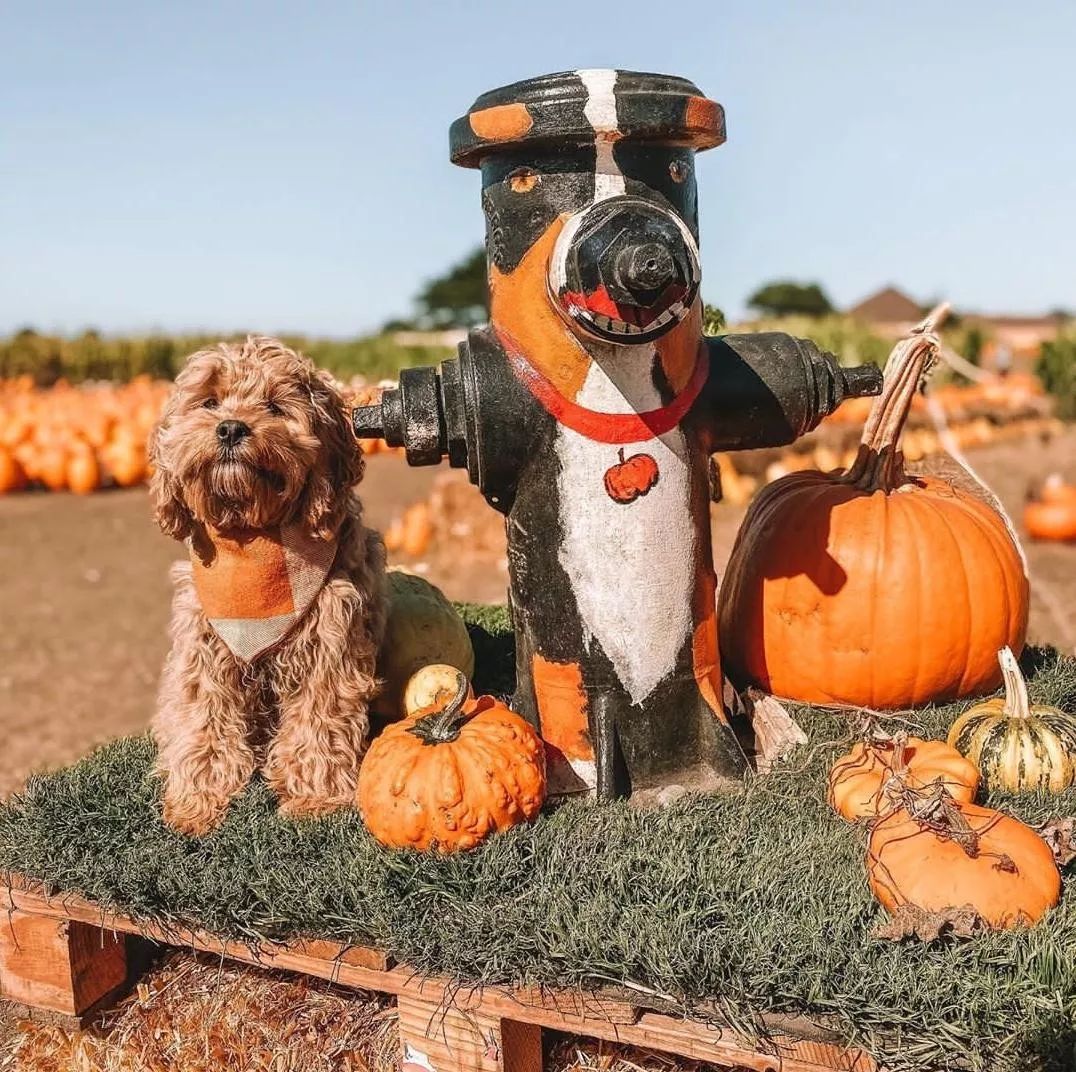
[{"x": 65, "y": 955}]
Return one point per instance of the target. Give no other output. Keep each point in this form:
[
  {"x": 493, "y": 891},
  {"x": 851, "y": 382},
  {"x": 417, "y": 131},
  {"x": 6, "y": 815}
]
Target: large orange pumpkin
[
  {"x": 452, "y": 774},
  {"x": 936, "y": 854},
  {"x": 868, "y": 586},
  {"x": 857, "y": 780}
]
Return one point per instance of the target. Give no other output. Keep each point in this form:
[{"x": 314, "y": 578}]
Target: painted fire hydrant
[{"x": 587, "y": 413}]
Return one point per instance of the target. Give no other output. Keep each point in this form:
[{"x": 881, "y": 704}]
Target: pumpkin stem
[
  {"x": 443, "y": 727},
  {"x": 934, "y": 808},
  {"x": 1017, "y": 704},
  {"x": 879, "y": 465}
]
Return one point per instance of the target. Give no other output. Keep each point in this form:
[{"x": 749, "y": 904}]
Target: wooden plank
[
  {"x": 348, "y": 966},
  {"x": 521, "y": 1012},
  {"x": 435, "y": 1037},
  {"x": 708, "y": 1042},
  {"x": 60, "y": 965}
]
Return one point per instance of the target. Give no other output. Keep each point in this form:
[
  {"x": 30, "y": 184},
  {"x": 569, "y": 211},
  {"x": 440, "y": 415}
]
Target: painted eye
[
  {"x": 210, "y": 403},
  {"x": 678, "y": 171},
  {"x": 523, "y": 180},
  {"x": 273, "y": 408}
]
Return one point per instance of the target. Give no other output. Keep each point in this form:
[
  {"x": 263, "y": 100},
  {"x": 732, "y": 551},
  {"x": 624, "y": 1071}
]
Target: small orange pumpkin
[
  {"x": 1053, "y": 515},
  {"x": 417, "y": 529},
  {"x": 936, "y": 853},
  {"x": 11, "y": 475},
  {"x": 870, "y": 587},
  {"x": 83, "y": 472},
  {"x": 857, "y": 781},
  {"x": 451, "y": 775},
  {"x": 52, "y": 468}
]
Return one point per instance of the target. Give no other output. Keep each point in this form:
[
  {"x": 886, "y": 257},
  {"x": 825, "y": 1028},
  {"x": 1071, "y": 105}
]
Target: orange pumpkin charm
[
  {"x": 451, "y": 775},
  {"x": 937, "y": 853},
  {"x": 631, "y": 478},
  {"x": 870, "y": 587},
  {"x": 1053, "y": 515},
  {"x": 857, "y": 781}
]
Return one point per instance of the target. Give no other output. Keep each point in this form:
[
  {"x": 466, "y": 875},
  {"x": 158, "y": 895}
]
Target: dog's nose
[{"x": 232, "y": 432}]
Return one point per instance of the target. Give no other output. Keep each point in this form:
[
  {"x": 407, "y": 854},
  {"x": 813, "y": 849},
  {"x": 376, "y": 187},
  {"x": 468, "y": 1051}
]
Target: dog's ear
[
  {"x": 340, "y": 462},
  {"x": 165, "y": 491}
]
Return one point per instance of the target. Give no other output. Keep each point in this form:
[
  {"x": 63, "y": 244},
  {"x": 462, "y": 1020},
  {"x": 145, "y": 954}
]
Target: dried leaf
[
  {"x": 776, "y": 731},
  {"x": 911, "y": 921},
  {"x": 1060, "y": 835}
]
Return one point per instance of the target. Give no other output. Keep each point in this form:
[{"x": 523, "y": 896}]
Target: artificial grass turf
[{"x": 757, "y": 898}]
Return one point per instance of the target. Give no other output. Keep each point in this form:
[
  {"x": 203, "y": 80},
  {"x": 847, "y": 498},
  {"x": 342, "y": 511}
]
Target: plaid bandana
[{"x": 259, "y": 584}]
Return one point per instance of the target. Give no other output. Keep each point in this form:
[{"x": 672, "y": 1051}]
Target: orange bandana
[{"x": 257, "y": 585}]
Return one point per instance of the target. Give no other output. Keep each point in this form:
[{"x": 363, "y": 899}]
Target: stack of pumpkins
[
  {"x": 875, "y": 589},
  {"x": 76, "y": 438}
]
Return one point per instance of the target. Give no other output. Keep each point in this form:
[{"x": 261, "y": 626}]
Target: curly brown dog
[{"x": 277, "y": 617}]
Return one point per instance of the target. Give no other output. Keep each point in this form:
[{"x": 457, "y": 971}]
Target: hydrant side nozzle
[
  {"x": 862, "y": 381},
  {"x": 367, "y": 422}
]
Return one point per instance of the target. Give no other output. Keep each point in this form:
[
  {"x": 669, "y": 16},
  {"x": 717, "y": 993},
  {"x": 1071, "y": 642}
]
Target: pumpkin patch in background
[
  {"x": 1052, "y": 516},
  {"x": 940, "y": 855},
  {"x": 450, "y": 775},
  {"x": 76, "y": 438},
  {"x": 858, "y": 779},
  {"x": 871, "y": 587},
  {"x": 1018, "y": 745},
  {"x": 90, "y": 436}
]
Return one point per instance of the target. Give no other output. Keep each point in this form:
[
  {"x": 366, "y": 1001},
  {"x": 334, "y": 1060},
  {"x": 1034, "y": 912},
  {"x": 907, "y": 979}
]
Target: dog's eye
[
  {"x": 273, "y": 408},
  {"x": 210, "y": 403}
]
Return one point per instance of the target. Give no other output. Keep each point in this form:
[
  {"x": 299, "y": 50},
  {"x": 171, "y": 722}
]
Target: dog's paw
[
  {"x": 309, "y": 807},
  {"x": 194, "y": 816}
]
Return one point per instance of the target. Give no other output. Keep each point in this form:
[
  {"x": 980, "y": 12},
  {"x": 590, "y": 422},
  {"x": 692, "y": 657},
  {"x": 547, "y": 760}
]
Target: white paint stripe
[
  {"x": 600, "y": 111},
  {"x": 600, "y": 108},
  {"x": 630, "y": 565}
]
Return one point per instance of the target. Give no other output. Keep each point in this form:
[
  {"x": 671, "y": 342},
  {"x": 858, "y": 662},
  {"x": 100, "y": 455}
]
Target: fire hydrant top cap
[{"x": 575, "y": 107}]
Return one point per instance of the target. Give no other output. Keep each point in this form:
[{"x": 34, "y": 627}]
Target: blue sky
[{"x": 283, "y": 166}]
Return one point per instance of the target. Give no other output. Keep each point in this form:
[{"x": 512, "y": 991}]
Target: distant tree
[
  {"x": 787, "y": 298},
  {"x": 1061, "y": 313},
  {"x": 458, "y": 298},
  {"x": 398, "y": 323},
  {"x": 713, "y": 320},
  {"x": 1057, "y": 369},
  {"x": 974, "y": 342}
]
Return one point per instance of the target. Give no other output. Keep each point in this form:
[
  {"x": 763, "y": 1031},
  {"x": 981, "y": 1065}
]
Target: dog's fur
[{"x": 299, "y": 711}]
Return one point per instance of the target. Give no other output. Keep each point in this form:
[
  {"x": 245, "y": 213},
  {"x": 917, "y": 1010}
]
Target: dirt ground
[{"x": 84, "y": 596}]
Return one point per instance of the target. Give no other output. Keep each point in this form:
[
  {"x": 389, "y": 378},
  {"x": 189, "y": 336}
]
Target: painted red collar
[{"x": 616, "y": 428}]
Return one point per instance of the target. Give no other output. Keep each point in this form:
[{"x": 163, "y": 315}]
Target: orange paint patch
[
  {"x": 562, "y": 707},
  {"x": 679, "y": 349},
  {"x": 520, "y": 306},
  {"x": 705, "y": 121},
  {"x": 246, "y": 579},
  {"x": 705, "y": 658},
  {"x": 503, "y": 122}
]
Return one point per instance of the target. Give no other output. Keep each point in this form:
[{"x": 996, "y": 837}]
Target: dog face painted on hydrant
[
  {"x": 588, "y": 410},
  {"x": 594, "y": 278}
]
